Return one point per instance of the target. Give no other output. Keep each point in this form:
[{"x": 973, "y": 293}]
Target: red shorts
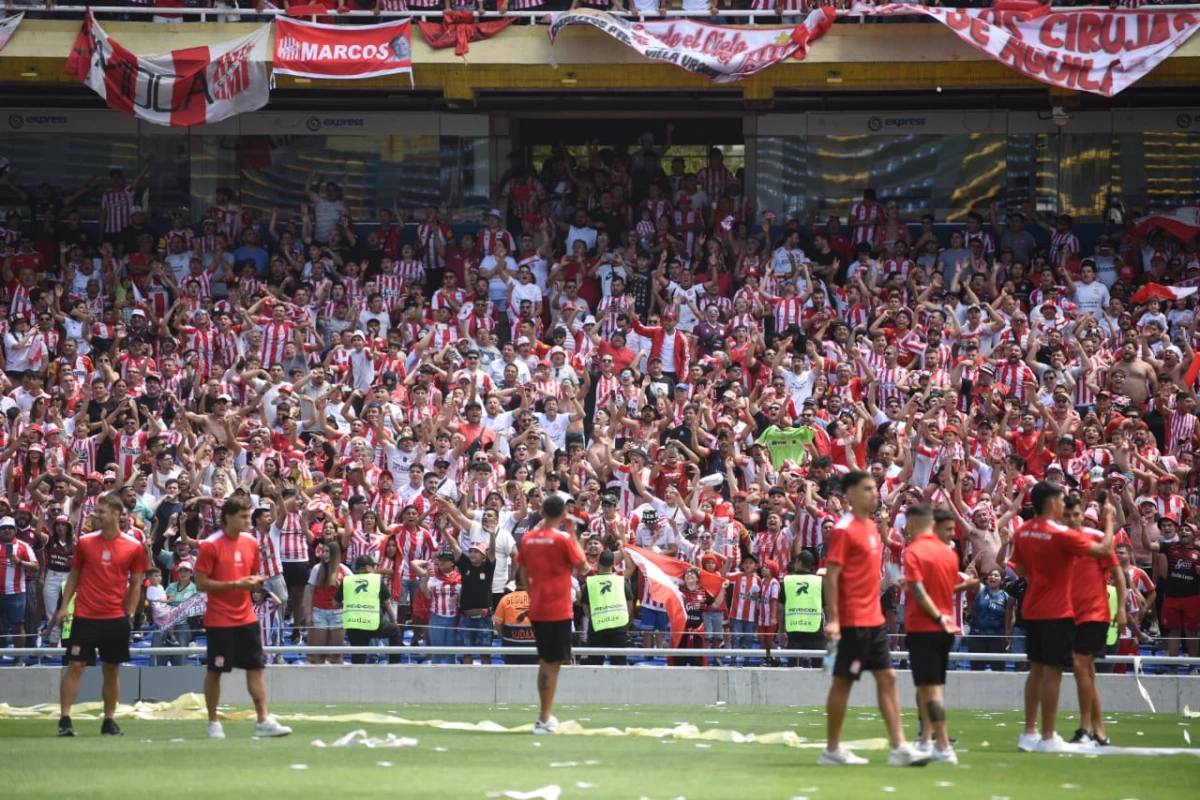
[
  {"x": 1181, "y": 613},
  {"x": 766, "y": 630}
]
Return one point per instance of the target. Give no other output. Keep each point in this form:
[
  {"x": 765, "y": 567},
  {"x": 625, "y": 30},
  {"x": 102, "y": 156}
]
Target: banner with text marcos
[
  {"x": 1099, "y": 51},
  {"x": 342, "y": 52},
  {"x": 721, "y": 53}
]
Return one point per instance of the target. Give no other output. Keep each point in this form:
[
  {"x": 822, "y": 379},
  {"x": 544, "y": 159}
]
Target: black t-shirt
[
  {"x": 614, "y": 222},
  {"x": 1183, "y": 570},
  {"x": 694, "y": 603},
  {"x": 162, "y": 520},
  {"x": 525, "y": 525},
  {"x": 476, "y": 590}
]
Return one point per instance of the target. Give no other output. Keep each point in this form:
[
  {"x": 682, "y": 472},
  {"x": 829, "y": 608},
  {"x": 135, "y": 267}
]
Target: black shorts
[
  {"x": 1091, "y": 638},
  {"x": 929, "y": 655},
  {"x": 1050, "y": 641},
  {"x": 108, "y": 636},
  {"x": 239, "y": 646},
  {"x": 553, "y": 640},
  {"x": 862, "y": 649},
  {"x": 295, "y": 573}
]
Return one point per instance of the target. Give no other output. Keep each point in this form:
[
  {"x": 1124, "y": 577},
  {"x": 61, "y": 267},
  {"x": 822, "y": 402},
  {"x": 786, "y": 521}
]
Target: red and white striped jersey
[
  {"x": 444, "y": 591},
  {"x": 12, "y": 575},
  {"x": 268, "y": 553},
  {"x": 413, "y": 545},
  {"x": 410, "y": 271},
  {"x": 267, "y": 615},
  {"x": 288, "y": 533},
  {"x": 390, "y": 286},
  {"x": 388, "y": 507},
  {"x": 275, "y": 336},
  {"x": 1182, "y": 430},
  {"x": 430, "y": 236},
  {"x": 979, "y": 236},
  {"x": 744, "y": 592},
  {"x": 766, "y": 602},
  {"x": 787, "y": 311},
  {"x": 870, "y": 214},
  {"x": 487, "y": 239},
  {"x": 1173, "y": 505},
  {"x": 229, "y": 217},
  {"x": 657, "y": 208},
  {"x": 129, "y": 451},
  {"x": 118, "y": 209},
  {"x": 889, "y": 383},
  {"x": 1059, "y": 240},
  {"x": 84, "y": 447},
  {"x": 714, "y": 181},
  {"x": 892, "y": 265},
  {"x": 809, "y": 526},
  {"x": 442, "y": 297},
  {"x": 1013, "y": 376}
]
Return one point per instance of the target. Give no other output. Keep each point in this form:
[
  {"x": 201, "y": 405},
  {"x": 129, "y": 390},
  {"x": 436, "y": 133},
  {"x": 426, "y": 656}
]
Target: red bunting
[{"x": 458, "y": 29}]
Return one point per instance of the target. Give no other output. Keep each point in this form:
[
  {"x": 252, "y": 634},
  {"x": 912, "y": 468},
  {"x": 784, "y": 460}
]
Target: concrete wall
[{"x": 488, "y": 685}]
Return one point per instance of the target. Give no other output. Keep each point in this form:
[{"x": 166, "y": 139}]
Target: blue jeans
[
  {"x": 183, "y": 633},
  {"x": 475, "y": 632},
  {"x": 442, "y": 634},
  {"x": 744, "y": 633}
]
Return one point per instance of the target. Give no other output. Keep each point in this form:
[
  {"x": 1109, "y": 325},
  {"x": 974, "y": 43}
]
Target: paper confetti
[
  {"x": 1187, "y": 737},
  {"x": 360, "y": 738},
  {"x": 551, "y": 792},
  {"x": 889, "y": 788},
  {"x": 702, "y": 745},
  {"x": 943, "y": 784},
  {"x": 383, "y": 763},
  {"x": 585, "y": 785},
  {"x": 299, "y": 766},
  {"x": 1069, "y": 786},
  {"x": 440, "y": 750}
]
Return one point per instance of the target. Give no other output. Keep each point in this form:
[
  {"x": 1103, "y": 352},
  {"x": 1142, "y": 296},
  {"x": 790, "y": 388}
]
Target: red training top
[
  {"x": 1045, "y": 548},
  {"x": 934, "y": 563},
  {"x": 223, "y": 558},
  {"x": 855, "y": 545},
  {"x": 105, "y": 566},
  {"x": 548, "y": 556},
  {"x": 1089, "y": 584}
]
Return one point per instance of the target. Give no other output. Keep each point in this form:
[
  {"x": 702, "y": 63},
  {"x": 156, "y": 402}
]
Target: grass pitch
[{"x": 173, "y": 759}]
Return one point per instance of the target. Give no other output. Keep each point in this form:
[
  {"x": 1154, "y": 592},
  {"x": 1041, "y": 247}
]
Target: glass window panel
[{"x": 1154, "y": 171}]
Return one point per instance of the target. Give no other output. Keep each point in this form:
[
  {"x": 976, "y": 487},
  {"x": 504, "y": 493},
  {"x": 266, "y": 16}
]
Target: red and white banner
[
  {"x": 193, "y": 86},
  {"x": 1094, "y": 50},
  {"x": 664, "y": 575},
  {"x": 8, "y": 27},
  {"x": 169, "y": 617},
  {"x": 1182, "y": 222},
  {"x": 1156, "y": 290},
  {"x": 721, "y": 53},
  {"x": 344, "y": 52}
]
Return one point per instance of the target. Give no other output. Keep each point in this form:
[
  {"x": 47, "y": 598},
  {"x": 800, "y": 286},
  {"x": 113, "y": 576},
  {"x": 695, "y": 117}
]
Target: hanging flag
[
  {"x": 1182, "y": 222},
  {"x": 8, "y": 27},
  {"x": 193, "y": 86},
  {"x": 458, "y": 29},
  {"x": 1156, "y": 290},
  {"x": 664, "y": 576},
  {"x": 345, "y": 52},
  {"x": 721, "y": 53},
  {"x": 1096, "y": 50}
]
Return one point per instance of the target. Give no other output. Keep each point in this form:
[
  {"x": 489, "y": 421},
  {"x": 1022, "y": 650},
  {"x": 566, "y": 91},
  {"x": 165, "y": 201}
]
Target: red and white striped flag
[
  {"x": 664, "y": 576},
  {"x": 192, "y": 86},
  {"x": 1157, "y": 290}
]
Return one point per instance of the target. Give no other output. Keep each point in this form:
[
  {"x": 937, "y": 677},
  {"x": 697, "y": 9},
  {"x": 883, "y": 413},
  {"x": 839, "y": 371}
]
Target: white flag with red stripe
[
  {"x": 8, "y": 27},
  {"x": 1182, "y": 222},
  {"x": 192, "y": 86},
  {"x": 664, "y": 576},
  {"x": 1152, "y": 291}
]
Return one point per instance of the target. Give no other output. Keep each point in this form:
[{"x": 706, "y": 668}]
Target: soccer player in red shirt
[
  {"x": 1089, "y": 596},
  {"x": 106, "y": 583},
  {"x": 852, "y": 566},
  {"x": 931, "y": 575},
  {"x": 1044, "y": 553},
  {"x": 548, "y": 556},
  {"x": 228, "y": 570}
]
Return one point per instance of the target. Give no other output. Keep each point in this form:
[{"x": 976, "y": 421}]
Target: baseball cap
[
  {"x": 495, "y": 212},
  {"x": 7, "y": 522},
  {"x": 479, "y": 547},
  {"x": 187, "y": 564}
]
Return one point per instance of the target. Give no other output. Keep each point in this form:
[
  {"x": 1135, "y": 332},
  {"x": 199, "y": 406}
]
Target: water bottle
[{"x": 830, "y": 658}]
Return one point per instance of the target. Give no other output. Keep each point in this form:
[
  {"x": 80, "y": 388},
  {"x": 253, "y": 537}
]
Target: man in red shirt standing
[
  {"x": 1044, "y": 553},
  {"x": 931, "y": 574},
  {"x": 547, "y": 557},
  {"x": 103, "y": 591},
  {"x": 852, "y": 599},
  {"x": 228, "y": 570},
  {"x": 1089, "y": 596}
]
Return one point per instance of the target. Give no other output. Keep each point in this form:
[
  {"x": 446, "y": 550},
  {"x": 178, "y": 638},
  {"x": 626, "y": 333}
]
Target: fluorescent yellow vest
[
  {"x": 69, "y": 618},
  {"x": 801, "y": 603},
  {"x": 1113, "y": 633},
  {"x": 606, "y": 600},
  {"x": 360, "y": 602}
]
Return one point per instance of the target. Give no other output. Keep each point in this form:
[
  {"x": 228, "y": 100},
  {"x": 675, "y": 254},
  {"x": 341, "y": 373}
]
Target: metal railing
[
  {"x": 532, "y": 17},
  {"x": 584, "y": 652}
]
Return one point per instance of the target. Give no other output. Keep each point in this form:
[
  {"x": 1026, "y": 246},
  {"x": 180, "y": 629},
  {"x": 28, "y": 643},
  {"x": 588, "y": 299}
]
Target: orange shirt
[
  {"x": 1089, "y": 584},
  {"x": 104, "y": 567},
  {"x": 548, "y": 556},
  {"x": 855, "y": 545},
  {"x": 223, "y": 558},
  {"x": 934, "y": 564},
  {"x": 1046, "y": 549}
]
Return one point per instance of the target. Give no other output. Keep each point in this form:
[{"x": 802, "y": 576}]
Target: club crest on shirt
[
  {"x": 237, "y": 558},
  {"x": 106, "y": 555}
]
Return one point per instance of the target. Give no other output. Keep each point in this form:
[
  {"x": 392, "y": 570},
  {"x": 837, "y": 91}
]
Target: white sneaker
[
  {"x": 1028, "y": 742},
  {"x": 947, "y": 756},
  {"x": 840, "y": 758},
  {"x": 907, "y": 755},
  {"x": 1054, "y": 745},
  {"x": 269, "y": 728},
  {"x": 924, "y": 747},
  {"x": 215, "y": 731},
  {"x": 550, "y": 726}
]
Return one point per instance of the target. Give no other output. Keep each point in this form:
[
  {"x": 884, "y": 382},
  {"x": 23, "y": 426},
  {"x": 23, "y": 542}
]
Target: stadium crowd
[{"x": 689, "y": 373}]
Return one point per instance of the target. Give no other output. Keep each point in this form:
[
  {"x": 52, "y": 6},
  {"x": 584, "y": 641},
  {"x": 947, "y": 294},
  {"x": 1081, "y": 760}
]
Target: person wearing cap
[
  {"x": 367, "y": 611},
  {"x": 669, "y": 343},
  {"x": 179, "y": 634},
  {"x": 477, "y": 568},
  {"x": 17, "y": 605},
  {"x": 103, "y": 594},
  {"x": 441, "y": 583},
  {"x": 1179, "y": 617}
]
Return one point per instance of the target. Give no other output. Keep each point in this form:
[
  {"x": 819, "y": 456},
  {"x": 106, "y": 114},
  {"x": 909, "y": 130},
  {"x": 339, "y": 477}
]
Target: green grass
[{"x": 150, "y": 759}]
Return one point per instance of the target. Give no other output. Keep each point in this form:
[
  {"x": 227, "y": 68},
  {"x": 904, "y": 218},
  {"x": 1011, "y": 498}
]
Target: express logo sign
[
  {"x": 1186, "y": 120},
  {"x": 18, "y": 121},
  {"x": 316, "y": 124},
  {"x": 876, "y": 124}
]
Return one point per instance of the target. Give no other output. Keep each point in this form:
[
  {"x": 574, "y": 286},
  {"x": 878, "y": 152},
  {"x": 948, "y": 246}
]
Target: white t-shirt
[
  {"x": 524, "y": 291},
  {"x": 781, "y": 261},
  {"x": 1091, "y": 297}
]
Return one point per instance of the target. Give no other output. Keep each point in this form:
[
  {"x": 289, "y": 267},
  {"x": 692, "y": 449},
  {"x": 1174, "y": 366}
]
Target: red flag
[
  {"x": 1183, "y": 222},
  {"x": 1153, "y": 290},
  {"x": 664, "y": 575},
  {"x": 458, "y": 29}
]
